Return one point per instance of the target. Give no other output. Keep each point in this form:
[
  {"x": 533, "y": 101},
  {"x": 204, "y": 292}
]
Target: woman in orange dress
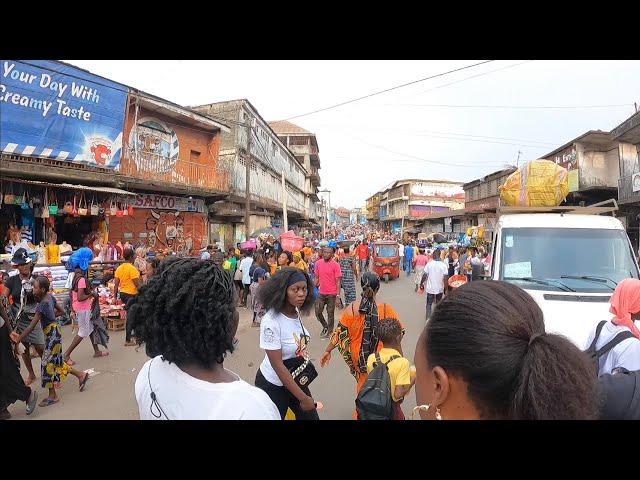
[{"x": 355, "y": 336}]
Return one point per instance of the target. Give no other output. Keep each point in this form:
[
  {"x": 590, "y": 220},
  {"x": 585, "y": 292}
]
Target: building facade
[{"x": 251, "y": 137}]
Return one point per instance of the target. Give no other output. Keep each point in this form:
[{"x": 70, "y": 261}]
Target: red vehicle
[{"x": 386, "y": 260}]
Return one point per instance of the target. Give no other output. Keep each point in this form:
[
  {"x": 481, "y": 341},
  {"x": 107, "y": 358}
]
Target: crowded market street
[{"x": 109, "y": 393}]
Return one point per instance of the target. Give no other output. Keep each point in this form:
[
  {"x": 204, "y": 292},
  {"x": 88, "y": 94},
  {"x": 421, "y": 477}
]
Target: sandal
[
  {"x": 48, "y": 402},
  {"x": 83, "y": 383},
  {"x": 101, "y": 354},
  {"x": 32, "y": 402},
  {"x": 70, "y": 362}
]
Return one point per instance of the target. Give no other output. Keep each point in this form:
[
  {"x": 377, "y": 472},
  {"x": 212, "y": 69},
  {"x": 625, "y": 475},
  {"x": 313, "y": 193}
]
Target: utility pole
[
  {"x": 324, "y": 219},
  {"x": 284, "y": 203},
  {"x": 518, "y": 159},
  {"x": 247, "y": 205}
]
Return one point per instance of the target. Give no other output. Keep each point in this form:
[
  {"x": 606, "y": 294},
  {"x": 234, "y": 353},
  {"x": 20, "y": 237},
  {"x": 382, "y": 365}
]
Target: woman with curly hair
[
  {"x": 185, "y": 315},
  {"x": 283, "y": 337}
]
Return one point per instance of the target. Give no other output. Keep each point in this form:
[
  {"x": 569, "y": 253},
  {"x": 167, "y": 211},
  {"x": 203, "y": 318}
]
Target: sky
[{"x": 459, "y": 126}]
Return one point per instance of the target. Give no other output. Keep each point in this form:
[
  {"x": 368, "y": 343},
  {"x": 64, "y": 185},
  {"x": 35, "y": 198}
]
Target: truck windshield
[
  {"x": 387, "y": 251},
  {"x": 563, "y": 255}
]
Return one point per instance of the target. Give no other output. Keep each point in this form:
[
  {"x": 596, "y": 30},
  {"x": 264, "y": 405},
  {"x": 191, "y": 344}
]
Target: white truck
[{"x": 569, "y": 259}]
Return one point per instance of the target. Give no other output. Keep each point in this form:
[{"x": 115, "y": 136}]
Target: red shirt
[
  {"x": 362, "y": 251},
  {"x": 328, "y": 274}
]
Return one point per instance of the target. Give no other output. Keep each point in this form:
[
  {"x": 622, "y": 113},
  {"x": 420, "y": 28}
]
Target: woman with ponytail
[
  {"x": 484, "y": 354},
  {"x": 356, "y": 333}
]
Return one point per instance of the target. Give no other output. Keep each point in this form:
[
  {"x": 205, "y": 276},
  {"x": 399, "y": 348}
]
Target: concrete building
[
  {"x": 304, "y": 146},
  {"x": 407, "y": 202},
  {"x": 627, "y": 137},
  {"x": 373, "y": 207},
  {"x": 270, "y": 158}
]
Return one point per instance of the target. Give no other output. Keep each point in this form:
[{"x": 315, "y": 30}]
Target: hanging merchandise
[
  {"x": 130, "y": 210},
  {"x": 119, "y": 211},
  {"x": 45, "y": 207},
  {"x": 125, "y": 210},
  {"x": 95, "y": 209},
  {"x": 113, "y": 209},
  {"x": 82, "y": 210},
  {"x": 25, "y": 200},
  {"x": 68, "y": 207},
  {"x": 1, "y": 197},
  {"x": 18, "y": 199},
  {"x": 9, "y": 198}
]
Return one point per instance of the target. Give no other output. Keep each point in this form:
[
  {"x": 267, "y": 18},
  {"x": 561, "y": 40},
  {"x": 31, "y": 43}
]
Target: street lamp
[{"x": 325, "y": 210}]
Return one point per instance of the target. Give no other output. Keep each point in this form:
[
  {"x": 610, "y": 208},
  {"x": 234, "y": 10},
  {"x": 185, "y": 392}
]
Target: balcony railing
[{"x": 184, "y": 173}]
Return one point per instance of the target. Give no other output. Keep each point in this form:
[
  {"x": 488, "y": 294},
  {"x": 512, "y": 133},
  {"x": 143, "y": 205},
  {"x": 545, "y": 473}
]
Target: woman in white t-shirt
[
  {"x": 284, "y": 337},
  {"x": 186, "y": 317}
]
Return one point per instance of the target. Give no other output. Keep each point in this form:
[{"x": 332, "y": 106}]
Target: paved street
[{"x": 109, "y": 394}]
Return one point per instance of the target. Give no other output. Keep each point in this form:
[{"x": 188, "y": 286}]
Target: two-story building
[
  {"x": 128, "y": 165},
  {"x": 627, "y": 136},
  {"x": 373, "y": 207},
  {"x": 250, "y": 138}
]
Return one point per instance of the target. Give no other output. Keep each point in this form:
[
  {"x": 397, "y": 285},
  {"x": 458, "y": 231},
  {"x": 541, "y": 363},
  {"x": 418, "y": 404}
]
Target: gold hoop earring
[
  {"x": 438, "y": 415},
  {"x": 418, "y": 408}
]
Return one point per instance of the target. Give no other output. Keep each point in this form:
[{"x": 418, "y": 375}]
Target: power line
[
  {"x": 530, "y": 107},
  {"x": 388, "y": 90}
]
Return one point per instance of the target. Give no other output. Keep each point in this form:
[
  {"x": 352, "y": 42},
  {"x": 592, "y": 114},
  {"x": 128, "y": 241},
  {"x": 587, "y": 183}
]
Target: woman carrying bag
[{"x": 286, "y": 371}]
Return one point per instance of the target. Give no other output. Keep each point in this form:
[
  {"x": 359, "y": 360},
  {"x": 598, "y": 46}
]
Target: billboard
[
  {"x": 426, "y": 189},
  {"x": 49, "y": 109}
]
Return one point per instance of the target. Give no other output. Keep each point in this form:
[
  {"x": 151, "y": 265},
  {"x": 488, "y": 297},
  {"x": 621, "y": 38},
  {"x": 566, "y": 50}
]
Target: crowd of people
[{"x": 482, "y": 354}]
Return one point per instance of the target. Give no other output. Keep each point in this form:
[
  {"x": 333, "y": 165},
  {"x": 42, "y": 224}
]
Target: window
[{"x": 195, "y": 156}]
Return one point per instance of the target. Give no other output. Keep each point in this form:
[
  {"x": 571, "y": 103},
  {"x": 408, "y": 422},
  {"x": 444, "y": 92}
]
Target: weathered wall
[{"x": 597, "y": 168}]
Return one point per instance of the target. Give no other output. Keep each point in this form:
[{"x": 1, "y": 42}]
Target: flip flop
[
  {"x": 31, "y": 405},
  {"x": 47, "y": 402},
  {"x": 84, "y": 381},
  {"x": 102, "y": 354},
  {"x": 70, "y": 362}
]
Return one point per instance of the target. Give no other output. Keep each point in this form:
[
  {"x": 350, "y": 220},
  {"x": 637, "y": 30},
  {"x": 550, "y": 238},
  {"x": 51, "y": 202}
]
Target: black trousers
[
  {"x": 12, "y": 386},
  {"x": 283, "y": 399},
  {"x": 125, "y": 297}
]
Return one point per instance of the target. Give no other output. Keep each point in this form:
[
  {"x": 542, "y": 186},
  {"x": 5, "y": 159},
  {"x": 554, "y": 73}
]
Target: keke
[{"x": 386, "y": 260}]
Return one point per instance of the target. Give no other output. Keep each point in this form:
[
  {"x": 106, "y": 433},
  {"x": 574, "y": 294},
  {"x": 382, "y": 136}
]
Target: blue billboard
[{"x": 49, "y": 109}]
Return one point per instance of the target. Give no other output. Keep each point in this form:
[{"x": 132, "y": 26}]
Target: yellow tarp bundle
[{"x": 538, "y": 183}]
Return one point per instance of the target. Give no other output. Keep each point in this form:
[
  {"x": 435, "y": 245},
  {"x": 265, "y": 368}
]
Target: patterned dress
[
  {"x": 54, "y": 368},
  {"x": 348, "y": 281}
]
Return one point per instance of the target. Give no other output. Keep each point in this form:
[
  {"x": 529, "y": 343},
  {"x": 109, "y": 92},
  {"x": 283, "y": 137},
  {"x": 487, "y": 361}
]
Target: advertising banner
[
  {"x": 49, "y": 109},
  {"x": 166, "y": 202}
]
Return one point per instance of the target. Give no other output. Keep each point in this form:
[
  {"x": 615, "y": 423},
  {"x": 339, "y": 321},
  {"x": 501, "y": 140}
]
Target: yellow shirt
[
  {"x": 52, "y": 253},
  {"x": 399, "y": 369},
  {"x": 126, "y": 273}
]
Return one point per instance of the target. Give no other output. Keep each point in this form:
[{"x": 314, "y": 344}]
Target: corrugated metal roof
[
  {"x": 283, "y": 127},
  {"x": 115, "y": 191}
]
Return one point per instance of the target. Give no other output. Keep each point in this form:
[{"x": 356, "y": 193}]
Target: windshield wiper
[
  {"x": 560, "y": 285},
  {"x": 592, "y": 278}
]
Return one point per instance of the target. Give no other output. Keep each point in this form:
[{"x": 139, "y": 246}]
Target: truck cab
[{"x": 569, "y": 262}]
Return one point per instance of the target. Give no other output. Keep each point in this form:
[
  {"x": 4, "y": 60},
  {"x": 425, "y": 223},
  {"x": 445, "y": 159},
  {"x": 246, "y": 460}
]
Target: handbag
[
  {"x": 68, "y": 207},
  {"x": 53, "y": 209},
  {"x": 74, "y": 212},
  {"x": 82, "y": 211},
  {"x": 130, "y": 209},
  {"x": 25, "y": 202},
  {"x": 119, "y": 212},
  {"x": 300, "y": 367},
  {"x": 125, "y": 210},
  {"x": 9, "y": 198},
  {"x": 95, "y": 209},
  {"x": 45, "y": 207},
  {"x": 113, "y": 210},
  {"x": 238, "y": 275}
]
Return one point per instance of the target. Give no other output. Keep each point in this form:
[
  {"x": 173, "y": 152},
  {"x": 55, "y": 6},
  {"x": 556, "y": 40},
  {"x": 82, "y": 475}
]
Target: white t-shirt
[
  {"x": 626, "y": 354},
  {"x": 245, "y": 266},
  {"x": 435, "y": 271},
  {"x": 401, "y": 249},
  {"x": 277, "y": 333},
  {"x": 183, "y": 397}
]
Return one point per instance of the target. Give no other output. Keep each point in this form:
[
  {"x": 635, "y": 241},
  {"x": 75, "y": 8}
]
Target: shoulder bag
[{"x": 300, "y": 367}]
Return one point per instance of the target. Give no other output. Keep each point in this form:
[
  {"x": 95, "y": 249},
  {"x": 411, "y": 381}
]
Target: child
[
  {"x": 390, "y": 333},
  {"x": 54, "y": 368}
]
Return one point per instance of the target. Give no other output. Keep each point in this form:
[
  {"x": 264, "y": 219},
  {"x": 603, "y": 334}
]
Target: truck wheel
[{"x": 386, "y": 278}]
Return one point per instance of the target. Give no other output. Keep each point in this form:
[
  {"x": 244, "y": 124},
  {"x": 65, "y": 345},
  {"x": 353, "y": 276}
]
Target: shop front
[{"x": 162, "y": 222}]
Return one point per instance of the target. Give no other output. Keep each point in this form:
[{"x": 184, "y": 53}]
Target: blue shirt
[
  {"x": 408, "y": 252},
  {"x": 46, "y": 310}
]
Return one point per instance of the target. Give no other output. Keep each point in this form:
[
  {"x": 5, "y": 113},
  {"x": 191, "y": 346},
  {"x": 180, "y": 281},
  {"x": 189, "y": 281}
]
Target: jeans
[
  {"x": 330, "y": 302},
  {"x": 283, "y": 399},
  {"x": 125, "y": 297},
  {"x": 363, "y": 265},
  {"x": 432, "y": 301},
  {"x": 407, "y": 266}
]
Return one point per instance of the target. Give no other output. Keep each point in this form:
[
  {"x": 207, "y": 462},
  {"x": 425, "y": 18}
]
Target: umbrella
[{"x": 275, "y": 231}]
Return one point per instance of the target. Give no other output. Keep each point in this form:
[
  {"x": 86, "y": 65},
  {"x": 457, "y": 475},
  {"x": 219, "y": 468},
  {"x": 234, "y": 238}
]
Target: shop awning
[{"x": 113, "y": 191}]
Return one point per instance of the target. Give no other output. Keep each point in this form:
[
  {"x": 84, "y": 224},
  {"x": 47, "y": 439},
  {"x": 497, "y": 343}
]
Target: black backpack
[
  {"x": 594, "y": 354},
  {"x": 620, "y": 395},
  {"x": 374, "y": 401}
]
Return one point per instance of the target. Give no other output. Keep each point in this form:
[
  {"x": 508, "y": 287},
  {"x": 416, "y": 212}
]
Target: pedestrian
[
  {"x": 126, "y": 285},
  {"x": 451, "y": 261},
  {"x": 464, "y": 265},
  {"x": 298, "y": 261},
  {"x": 152, "y": 267},
  {"x": 390, "y": 333},
  {"x": 356, "y": 335},
  {"x": 54, "y": 369},
  {"x": 259, "y": 277},
  {"x": 621, "y": 333},
  {"x": 231, "y": 254},
  {"x": 12, "y": 385},
  {"x": 349, "y": 274},
  {"x": 285, "y": 259},
  {"x": 327, "y": 279},
  {"x": 484, "y": 354},
  {"x": 436, "y": 274},
  {"x": 401, "y": 253},
  {"x": 477, "y": 266},
  {"x": 419, "y": 262},
  {"x": 245, "y": 267},
  {"x": 363, "y": 256},
  {"x": 285, "y": 341},
  {"x": 23, "y": 308},
  {"x": 99, "y": 335},
  {"x": 186, "y": 318},
  {"x": 82, "y": 297},
  {"x": 237, "y": 281},
  {"x": 140, "y": 263},
  {"x": 206, "y": 255}
]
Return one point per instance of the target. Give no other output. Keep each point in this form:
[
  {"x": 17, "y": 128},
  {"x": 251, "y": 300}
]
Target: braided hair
[{"x": 186, "y": 312}]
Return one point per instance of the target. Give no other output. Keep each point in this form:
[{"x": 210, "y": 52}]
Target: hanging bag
[
  {"x": 45, "y": 206},
  {"x": 113, "y": 210},
  {"x": 119, "y": 212},
  {"x": 82, "y": 211},
  {"x": 95, "y": 209},
  {"x": 130, "y": 209},
  {"x": 25, "y": 201},
  {"x": 53, "y": 208},
  {"x": 125, "y": 210},
  {"x": 74, "y": 211},
  {"x": 9, "y": 197},
  {"x": 18, "y": 199},
  {"x": 68, "y": 207}
]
